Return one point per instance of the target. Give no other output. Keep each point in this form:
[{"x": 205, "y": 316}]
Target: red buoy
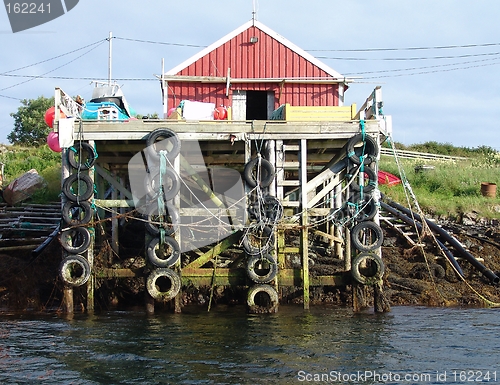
[
  {"x": 53, "y": 141},
  {"x": 50, "y": 115},
  {"x": 220, "y": 113}
]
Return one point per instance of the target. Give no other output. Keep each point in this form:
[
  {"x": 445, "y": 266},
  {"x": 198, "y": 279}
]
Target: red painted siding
[{"x": 267, "y": 58}]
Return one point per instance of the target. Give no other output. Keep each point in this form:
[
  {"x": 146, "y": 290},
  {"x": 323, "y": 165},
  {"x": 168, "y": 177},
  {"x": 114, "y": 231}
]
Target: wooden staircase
[{"x": 28, "y": 226}]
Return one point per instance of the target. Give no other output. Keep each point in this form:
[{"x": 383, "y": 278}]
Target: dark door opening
[{"x": 256, "y": 105}]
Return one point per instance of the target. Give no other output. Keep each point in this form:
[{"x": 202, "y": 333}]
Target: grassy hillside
[
  {"x": 451, "y": 189},
  {"x": 47, "y": 163}
]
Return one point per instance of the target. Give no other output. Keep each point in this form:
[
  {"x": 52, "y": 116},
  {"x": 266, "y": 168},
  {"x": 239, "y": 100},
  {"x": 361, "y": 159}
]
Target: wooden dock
[{"x": 307, "y": 187}]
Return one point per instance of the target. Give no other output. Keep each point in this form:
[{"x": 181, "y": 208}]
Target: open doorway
[{"x": 256, "y": 105}]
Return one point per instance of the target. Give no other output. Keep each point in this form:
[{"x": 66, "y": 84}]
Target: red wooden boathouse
[{"x": 254, "y": 70}]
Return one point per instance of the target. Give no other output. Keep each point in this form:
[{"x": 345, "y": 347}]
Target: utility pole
[{"x": 110, "y": 57}]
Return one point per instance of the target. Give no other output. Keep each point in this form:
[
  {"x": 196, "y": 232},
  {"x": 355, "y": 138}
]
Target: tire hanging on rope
[
  {"x": 367, "y": 236},
  {"x": 75, "y": 240},
  {"x": 163, "y": 284},
  {"x": 262, "y": 268},
  {"x": 362, "y": 209},
  {"x": 76, "y": 213},
  {"x": 269, "y": 210},
  {"x": 164, "y": 139},
  {"x": 170, "y": 181},
  {"x": 74, "y": 270},
  {"x": 78, "y": 187},
  {"x": 370, "y": 180},
  {"x": 164, "y": 254},
  {"x": 258, "y": 169},
  {"x": 367, "y": 268},
  {"x": 81, "y": 156},
  {"x": 262, "y": 297},
  {"x": 368, "y": 149},
  {"x": 169, "y": 221},
  {"x": 258, "y": 240}
]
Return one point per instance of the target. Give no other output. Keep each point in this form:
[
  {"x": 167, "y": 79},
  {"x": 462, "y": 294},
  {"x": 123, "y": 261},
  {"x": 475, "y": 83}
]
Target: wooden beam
[
  {"x": 326, "y": 235},
  {"x": 324, "y": 191},
  {"x": 104, "y": 174},
  {"x": 224, "y": 79},
  {"x": 114, "y": 203},
  {"x": 216, "y": 250},
  {"x": 205, "y": 277}
]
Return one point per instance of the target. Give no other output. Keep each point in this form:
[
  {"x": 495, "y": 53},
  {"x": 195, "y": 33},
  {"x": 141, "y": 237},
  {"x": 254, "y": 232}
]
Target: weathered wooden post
[
  {"x": 90, "y": 253},
  {"x": 304, "y": 221}
]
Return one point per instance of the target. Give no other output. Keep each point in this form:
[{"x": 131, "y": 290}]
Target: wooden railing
[{"x": 420, "y": 155}]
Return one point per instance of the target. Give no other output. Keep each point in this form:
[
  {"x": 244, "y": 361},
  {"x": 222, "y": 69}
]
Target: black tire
[
  {"x": 74, "y": 270},
  {"x": 76, "y": 213},
  {"x": 367, "y": 268},
  {"x": 170, "y": 220},
  {"x": 171, "y": 184},
  {"x": 262, "y": 268},
  {"x": 163, "y": 255},
  {"x": 369, "y": 149},
  {"x": 438, "y": 271},
  {"x": 84, "y": 187},
  {"x": 252, "y": 169},
  {"x": 269, "y": 210},
  {"x": 170, "y": 281},
  {"x": 75, "y": 240},
  {"x": 258, "y": 240},
  {"x": 367, "y": 236},
  {"x": 370, "y": 180},
  {"x": 362, "y": 209},
  {"x": 268, "y": 301},
  {"x": 81, "y": 156},
  {"x": 172, "y": 146}
]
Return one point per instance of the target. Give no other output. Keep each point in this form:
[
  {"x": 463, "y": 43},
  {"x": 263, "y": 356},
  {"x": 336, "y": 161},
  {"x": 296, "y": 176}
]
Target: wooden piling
[
  {"x": 68, "y": 305},
  {"x": 302, "y": 199},
  {"x": 304, "y": 222}
]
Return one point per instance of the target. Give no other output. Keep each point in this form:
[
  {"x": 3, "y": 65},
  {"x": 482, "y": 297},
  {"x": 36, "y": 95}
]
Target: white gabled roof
[{"x": 287, "y": 43}]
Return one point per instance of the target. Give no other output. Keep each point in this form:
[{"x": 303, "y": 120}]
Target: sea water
[{"x": 324, "y": 345}]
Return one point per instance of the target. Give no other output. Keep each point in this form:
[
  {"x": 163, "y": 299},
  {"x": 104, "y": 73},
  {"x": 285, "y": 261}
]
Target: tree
[{"x": 30, "y": 128}]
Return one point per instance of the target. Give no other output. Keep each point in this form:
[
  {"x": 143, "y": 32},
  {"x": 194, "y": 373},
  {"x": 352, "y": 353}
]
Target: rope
[{"x": 427, "y": 232}]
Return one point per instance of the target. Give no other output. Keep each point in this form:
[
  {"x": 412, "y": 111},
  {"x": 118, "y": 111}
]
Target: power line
[
  {"x": 429, "y": 72},
  {"x": 9, "y": 97},
  {"x": 52, "y": 58},
  {"x": 159, "y": 42},
  {"x": 77, "y": 78},
  {"x": 419, "y": 68},
  {"x": 405, "y": 49},
  {"x": 330, "y": 50},
  {"x": 55, "y": 69},
  {"x": 410, "y": 58}
]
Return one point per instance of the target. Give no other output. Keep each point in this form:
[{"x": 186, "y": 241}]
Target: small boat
[
  {"x": 385, "y": 177},
  {"x": 107, "y": 103}
]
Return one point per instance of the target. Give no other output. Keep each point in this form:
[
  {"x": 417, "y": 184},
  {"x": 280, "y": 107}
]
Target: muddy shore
[{"x": 414, "y": 275}]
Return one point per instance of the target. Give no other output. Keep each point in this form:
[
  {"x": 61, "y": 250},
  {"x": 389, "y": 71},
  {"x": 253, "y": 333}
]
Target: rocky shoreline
[
  {"x": 414, "y": 275},
  {"x": 422, "y": 276}
]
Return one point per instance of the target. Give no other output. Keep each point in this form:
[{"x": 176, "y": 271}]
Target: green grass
[
  {"x": 451, "y": 188},
  {"x": 47, "y": 163}
]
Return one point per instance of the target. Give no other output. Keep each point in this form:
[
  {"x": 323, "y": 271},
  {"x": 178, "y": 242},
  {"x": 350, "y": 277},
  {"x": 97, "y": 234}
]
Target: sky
[{"x": 436, "y": 61}]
